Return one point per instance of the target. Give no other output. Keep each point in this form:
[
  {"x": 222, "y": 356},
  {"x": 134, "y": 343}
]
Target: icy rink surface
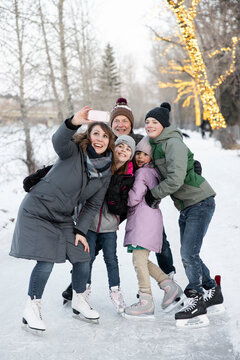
[{"x": 116, "y": 338}]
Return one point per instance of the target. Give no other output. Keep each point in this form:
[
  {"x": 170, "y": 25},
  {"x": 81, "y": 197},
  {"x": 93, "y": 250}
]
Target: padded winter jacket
[
  {"x": 144, "y": 225},
  {"x": 175, "y": 164},
  {"x": 114, "y": 208},
  {"x": 44, "y": 227}
]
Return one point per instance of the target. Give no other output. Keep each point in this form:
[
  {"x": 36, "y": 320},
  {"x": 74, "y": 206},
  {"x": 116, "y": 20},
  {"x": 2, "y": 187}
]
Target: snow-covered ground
[{"x": 114, "y": 337}]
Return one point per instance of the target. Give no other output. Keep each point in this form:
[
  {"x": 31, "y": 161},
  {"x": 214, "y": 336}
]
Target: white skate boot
[
  {"x": 32, "y": 318},
  {"x": 173, "y": 297},
  {"x": 81, "y": 306},
  {"x": 117, "y": 299},
  {"x": 144, "y": 309}
]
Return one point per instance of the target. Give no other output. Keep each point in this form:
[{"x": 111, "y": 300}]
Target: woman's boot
[{"x": 32, "y": 315}]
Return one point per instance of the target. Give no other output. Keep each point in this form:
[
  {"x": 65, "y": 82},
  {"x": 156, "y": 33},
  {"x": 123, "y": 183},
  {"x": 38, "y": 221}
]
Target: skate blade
[
  {"x": 80, "y": 316},
  {"x": 84, "y": 319},
  {"x": 36, "y": 332},
  {"x": 138, "y": 317},
  {"x": 179, "y": 302},
  {"x": 196, "y": 322},
  {"x": 216, "y": 309}
]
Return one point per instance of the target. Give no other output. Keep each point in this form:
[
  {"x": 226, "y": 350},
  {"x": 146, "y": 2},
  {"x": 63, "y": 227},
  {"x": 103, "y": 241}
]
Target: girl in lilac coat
[{"x": 144, "y": 234}]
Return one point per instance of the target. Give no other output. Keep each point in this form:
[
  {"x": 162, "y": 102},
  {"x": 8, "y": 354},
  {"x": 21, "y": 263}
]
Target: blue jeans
[
  {"x": 164, "y": 258},
  {"x": 193, "y": 223},
  {"x": 42, "y": 271},
  {"x": 108, "y": 243}
]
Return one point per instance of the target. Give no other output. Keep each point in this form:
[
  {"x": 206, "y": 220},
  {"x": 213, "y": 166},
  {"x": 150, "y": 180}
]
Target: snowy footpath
[{"x": 116, "y": 338}]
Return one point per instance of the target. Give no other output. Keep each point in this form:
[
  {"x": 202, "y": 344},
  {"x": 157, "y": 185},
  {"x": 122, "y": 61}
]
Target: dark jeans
[
  {"x": 164, "y": 258},
  {"x": 42, "y": 271},
  {"x": 108, "y": 243},
  {"x": 193, "y": 223}
]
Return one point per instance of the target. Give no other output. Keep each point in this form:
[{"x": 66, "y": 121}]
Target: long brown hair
[
  {"x": 84, "y": 139},
  {"x": 123, "y": 169}
]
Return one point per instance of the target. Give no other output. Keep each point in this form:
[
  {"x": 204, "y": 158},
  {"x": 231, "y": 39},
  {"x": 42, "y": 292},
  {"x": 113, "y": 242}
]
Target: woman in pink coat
[{"x": 144, "y": 234}]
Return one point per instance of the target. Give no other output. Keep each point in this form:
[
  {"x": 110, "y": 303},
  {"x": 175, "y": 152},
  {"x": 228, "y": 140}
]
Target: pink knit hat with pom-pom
[
  {"x": 121, "y": 108},
  {"x": 144, "y": 146}
]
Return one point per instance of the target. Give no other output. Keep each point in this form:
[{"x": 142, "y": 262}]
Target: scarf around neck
[{"x": 97, "y": 166}]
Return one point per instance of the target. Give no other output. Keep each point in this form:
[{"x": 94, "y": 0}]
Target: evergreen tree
[{"x": 109, "y": 83}]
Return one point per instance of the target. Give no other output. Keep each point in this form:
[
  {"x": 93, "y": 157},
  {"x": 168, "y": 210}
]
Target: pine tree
[{"x": 109, "y": 83}]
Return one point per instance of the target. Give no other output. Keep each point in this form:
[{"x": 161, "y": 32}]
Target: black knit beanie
[{"x": 161, "y": 114}]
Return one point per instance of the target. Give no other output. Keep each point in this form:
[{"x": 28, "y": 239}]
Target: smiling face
[
  {"x": 99, "y": 139},
  {"x": 141, "y": 158},
  {"x": 123, "y": 154},
  {"x": 121, "y": 125},
  {"x": 153, "y": 127}
]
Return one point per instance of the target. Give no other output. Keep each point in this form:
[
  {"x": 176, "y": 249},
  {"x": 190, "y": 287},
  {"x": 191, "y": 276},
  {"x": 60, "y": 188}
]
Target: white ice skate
[
  {"x": 32, "y": 319},
  {"x": 81, "y": 307},
  {"x": 173, "y": 295},
  {"x": 117, "y": 299}
]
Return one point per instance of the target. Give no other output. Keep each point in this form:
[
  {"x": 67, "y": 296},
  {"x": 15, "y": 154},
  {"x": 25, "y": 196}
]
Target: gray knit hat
[
  {"x": 161, "y": 114},
  {"x": 126, "y": 139}
]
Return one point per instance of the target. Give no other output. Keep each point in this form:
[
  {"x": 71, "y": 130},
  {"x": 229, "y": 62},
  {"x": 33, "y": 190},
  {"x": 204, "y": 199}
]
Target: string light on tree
[{"x": 185, "y": 19}]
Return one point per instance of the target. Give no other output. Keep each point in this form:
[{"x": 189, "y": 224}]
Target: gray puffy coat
[
  {"x": 44, "y": 227},
  {"x": 104, "y": 221}
]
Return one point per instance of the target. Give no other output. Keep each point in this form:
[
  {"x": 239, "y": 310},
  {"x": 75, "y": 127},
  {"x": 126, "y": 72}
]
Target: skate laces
[
  {"x": 139, "y": 303},
  {"x": 136, "y": 304},
  {"x": 208, "y": 294},
  {"x": 37, "y": 307},
  {"x": 191, "y": 304},
  {"x": 87, "y": 293}
]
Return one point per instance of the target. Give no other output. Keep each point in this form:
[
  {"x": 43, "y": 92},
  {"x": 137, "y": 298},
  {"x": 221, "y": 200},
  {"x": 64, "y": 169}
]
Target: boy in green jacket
[{"x": 194, "y": 198}]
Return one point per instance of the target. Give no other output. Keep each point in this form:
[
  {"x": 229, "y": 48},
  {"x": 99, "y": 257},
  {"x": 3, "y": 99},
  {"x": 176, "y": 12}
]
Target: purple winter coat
[{"x": 144, "y": 225}]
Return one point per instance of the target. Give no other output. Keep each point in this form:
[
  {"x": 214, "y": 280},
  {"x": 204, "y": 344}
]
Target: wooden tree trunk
[
  {"x": 28, "y": 144},
  {"x": 51, "y": 70},
  {"x": 63, "y": 59}
]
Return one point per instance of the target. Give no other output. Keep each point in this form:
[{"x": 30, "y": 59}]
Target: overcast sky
[{"x": 123, "y": 24}]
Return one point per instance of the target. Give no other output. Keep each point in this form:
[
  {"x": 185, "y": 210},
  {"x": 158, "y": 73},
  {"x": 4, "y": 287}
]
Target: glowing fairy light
[{"x": 185, "y": 19}]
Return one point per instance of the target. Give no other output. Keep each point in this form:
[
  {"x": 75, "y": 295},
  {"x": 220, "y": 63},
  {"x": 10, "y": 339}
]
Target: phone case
[{"x": 98, "y": 115}]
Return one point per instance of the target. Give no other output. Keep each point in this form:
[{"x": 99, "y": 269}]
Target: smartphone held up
[{"x": 98, "y": 115}]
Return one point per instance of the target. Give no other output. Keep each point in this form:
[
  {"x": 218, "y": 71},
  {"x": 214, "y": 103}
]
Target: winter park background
[{"x": 114, "y": 337}]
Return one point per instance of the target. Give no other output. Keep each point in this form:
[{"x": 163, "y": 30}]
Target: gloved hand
[
  {"x": 34, "y": 178},
  {"x": 151, "y": 200},
  {"x": 197, "y": 167}
]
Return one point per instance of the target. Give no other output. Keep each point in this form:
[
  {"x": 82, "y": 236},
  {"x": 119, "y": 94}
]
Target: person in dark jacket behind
[{"x": 44, "y": 229}]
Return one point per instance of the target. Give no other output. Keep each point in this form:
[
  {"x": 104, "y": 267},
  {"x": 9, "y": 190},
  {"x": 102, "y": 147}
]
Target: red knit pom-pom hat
[{"x": 121, "y": 108}]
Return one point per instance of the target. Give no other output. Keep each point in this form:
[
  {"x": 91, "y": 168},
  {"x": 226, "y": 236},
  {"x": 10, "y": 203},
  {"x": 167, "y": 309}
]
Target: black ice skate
[
  {"x": 194, "y": 311},
  {"x": 67, "y": 294},
  {"x": 213, "y": 298}
]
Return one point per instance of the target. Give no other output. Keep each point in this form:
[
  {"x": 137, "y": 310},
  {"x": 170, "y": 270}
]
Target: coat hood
[{"x": 168, "y": 132}]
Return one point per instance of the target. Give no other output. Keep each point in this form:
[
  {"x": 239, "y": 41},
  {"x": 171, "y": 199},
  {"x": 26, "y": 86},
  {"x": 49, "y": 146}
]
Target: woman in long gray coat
[{"x": 45, "y": 231}]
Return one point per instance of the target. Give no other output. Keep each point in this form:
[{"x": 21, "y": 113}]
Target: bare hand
[
  {"x": 82, "y": 239},
  {"x": 81, "y": 117}
]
